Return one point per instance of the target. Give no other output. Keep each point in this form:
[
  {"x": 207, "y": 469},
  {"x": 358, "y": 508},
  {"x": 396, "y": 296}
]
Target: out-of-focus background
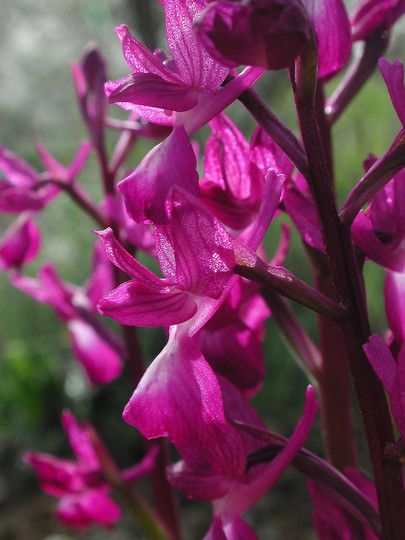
[{"x": 38, "y": 375}]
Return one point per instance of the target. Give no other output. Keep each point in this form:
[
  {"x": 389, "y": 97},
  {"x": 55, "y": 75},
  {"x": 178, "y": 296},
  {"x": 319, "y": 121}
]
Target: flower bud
[{"x": 265, "y": 33}]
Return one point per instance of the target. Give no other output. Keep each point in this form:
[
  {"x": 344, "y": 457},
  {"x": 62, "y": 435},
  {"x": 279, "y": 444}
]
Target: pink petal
[
  {"x": 151, "y": 90},
  {"x": 20, "y": 244},
  {"x": 79, "y": 440},
  {"x": 235, "y": 353},
  {"x": 16, "y": 200},
  {"x": 16, "y": 170},
  {"x": 243, "y": 496},
  {"x": 226, "y": 158},
  {"x": 266, "y": 154},
  {"x": 368, "y": 15},
  {"x": 100, "y": 361},
  {"x": 210, "y": 106},
  {"x": 136, "y": 304},
  {"x": 195, "y": 66},
  {"x": 55, "y": 169},
  {"x": 332, "y": 29},
  {"x": 101, "y": 279},
  {"x": 203, "y": 250},
  {"x": 238, "y": 529},
  {"x": 178, "y": 397},
  {"x": 91, "y": 507},
  {"x": 121, "y": 258},
  {"x": 171, "y": 162},
  {"x": 56, "y": 476},
  {"x": 381, "y": 360},
  {"x": 394, "y": 79},
  {"x": 303, "y": 214},
  {"x": 364, "y": 237},
  {"x": 394, "y": 303},
  {"x": 140, "y": 59},
  {"x": 254, "y": 33}
]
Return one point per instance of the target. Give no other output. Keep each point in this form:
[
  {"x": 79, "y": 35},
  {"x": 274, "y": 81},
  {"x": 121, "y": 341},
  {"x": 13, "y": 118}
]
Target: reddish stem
[{"x": 355, "y": 326}]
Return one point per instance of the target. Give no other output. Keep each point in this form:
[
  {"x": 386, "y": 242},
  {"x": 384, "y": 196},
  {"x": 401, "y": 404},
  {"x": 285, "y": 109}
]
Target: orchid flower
[
  {"x": 161, "y": 84},
  {"x": 234, "y": 172},
  {"x": 332, "y": 29},
  {"x": 27, "y": 189},
  {"x": 219, "y": 473},
  {"x": 254, "y": 33},
  {"x": 95, "y": 347},
  {"x": 197, "y": 257},
  {"x": 20, "y": 243},
  {"x": 80, "y": 485},
  {"x": 89, "y": 78},
  {"x": 272, "y": 34},
  {"x": 181, "y": 88}
]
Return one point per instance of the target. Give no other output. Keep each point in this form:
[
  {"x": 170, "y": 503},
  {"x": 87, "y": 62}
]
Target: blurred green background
[{"x": 38, "y": 375}]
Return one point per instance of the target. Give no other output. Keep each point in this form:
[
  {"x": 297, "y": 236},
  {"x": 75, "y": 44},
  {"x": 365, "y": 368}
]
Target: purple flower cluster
[{"x": 201, "y": 215}]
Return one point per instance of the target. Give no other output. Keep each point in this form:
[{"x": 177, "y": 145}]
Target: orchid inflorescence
[{"x": 217, "y": 286}]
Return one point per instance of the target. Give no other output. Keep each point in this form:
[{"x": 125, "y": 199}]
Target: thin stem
[
  {"x": 298, "y": 341},
  {"x": 279, "y": 132},
  {"x": 360, "y": 70},
  {"x": 136, "y": 505},
  {"x": 342, "y": 489},
  {"x": 283, "y": 282},
  {"x": 81, "y": 198},
  {"x": 383, "y": 170},
  {"x": 334, "y": 375},
  {"x": 334, "y": 390}
]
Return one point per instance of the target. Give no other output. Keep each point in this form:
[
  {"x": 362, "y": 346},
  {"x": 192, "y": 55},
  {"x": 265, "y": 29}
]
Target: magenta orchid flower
[
  {"x": 369, "y": 15},
  {"x": 254, "y": 33},
  {"x": 272, "y": 34},
  {"x": 80, "y": 485},
  {"x": 391, "y": 374},
  {"x": 89, "y": 78},
  {"x": 234, "y": 172},
  {"x": 196, "y": 256},
  {"x": 332, "y": 29},
  {"x": 20, "y": 243},
  {"x": 171, "y": 162},
  {"x": 97, "y": 349},
  {"x": 82, "y": 490},
  {"x": 26, "y": 188},
  {"x": 219, "y": 473},
  {"x": 182, "y": 88},
  {"x": 380, "y": 230},
  {"x": 161, "y": 84},
  {"x": 394, "y": 79},
  {"x": 178, "y": 396}
]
